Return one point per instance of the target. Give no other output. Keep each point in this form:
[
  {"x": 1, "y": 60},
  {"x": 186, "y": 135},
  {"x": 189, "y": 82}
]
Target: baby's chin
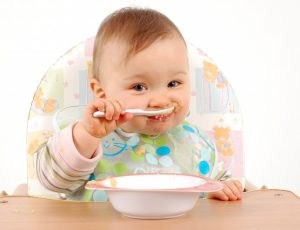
[
  {"x": 148, "y": 133},
  {"x": 156, "y": 130},
  {"x": 153, "y": 132},
  {"x": 151, "y": 128}
]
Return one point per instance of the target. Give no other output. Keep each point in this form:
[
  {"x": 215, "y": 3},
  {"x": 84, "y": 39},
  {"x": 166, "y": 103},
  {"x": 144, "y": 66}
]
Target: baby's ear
[{"x": 96, "y": 88}]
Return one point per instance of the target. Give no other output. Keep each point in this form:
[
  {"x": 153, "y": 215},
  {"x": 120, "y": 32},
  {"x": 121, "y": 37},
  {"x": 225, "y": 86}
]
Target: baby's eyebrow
[
  {"x": 134, "y": 77},
  {"x": 144, "y": 75},
  {"x": 180, "y": 72}
]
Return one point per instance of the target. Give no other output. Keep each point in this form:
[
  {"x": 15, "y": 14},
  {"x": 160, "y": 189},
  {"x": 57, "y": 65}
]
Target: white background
[{"x": 254, "y": 42}]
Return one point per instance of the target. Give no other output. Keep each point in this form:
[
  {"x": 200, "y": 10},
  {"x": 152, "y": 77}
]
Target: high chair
[{"x": 64, "y": 89}]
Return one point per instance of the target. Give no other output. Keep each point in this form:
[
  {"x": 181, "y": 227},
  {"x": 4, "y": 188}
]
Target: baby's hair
[{"x": 137, "y": 27}]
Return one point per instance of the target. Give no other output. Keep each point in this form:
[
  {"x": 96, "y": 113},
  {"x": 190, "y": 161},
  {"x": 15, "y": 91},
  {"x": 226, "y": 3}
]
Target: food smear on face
[{"x": 177, "y": 106}]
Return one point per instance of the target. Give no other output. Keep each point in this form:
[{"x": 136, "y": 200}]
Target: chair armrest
[
  {"x": 249, "y": 186},
  {"x": 21, "y": 190}
]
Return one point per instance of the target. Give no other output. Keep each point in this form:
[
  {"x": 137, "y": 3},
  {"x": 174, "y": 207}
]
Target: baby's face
[{"x": 155, "y": 78}]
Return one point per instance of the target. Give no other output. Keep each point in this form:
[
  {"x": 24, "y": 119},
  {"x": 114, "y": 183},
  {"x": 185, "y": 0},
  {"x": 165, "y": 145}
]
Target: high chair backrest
[{"x": 214, "y": 109}]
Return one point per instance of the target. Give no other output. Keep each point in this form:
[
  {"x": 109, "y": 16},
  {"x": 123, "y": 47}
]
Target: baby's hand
[
  {"x": 231, "y": 191},
  {"x": 114, "y": 117}
]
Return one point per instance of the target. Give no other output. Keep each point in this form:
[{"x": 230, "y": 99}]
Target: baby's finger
[
  {"x": 234, "y": 187},
  {"x": 228, "y": 191},
  {"x": 118, "y": 109},
  {"x": 109, "y": 109},
  {"x": 96, "y": 105},
  {"x": 99, "y": 103},
  {"x": 113, "y": 109},
  {"x": 239, "y": 185},
  {"x": 220, "y": 195}
]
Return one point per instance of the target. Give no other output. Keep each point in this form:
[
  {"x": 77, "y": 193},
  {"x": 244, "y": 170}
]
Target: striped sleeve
[{"x": 59, "y": 165}]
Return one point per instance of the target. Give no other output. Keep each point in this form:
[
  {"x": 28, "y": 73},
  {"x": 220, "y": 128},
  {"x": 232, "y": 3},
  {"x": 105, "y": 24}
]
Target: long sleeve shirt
[{"x": 184, "y": 149}]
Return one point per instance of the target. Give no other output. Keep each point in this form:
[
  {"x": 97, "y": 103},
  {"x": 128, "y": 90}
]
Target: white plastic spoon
[{"x": 140, "y": 112}]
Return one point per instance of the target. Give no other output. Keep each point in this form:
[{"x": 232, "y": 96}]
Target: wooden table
[{"x": 262, "y": 209}]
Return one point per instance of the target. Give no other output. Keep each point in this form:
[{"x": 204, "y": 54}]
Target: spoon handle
[{"x": 139, "y": 112}]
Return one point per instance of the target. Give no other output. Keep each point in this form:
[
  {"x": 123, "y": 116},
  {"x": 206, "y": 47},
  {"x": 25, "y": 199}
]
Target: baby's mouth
[{"x": 163, "y": 117}]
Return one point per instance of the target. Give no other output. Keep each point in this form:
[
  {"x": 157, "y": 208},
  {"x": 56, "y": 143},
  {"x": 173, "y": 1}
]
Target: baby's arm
[
  {"x": 59, "y": 165},
  {"x": 67, "y": 160}
]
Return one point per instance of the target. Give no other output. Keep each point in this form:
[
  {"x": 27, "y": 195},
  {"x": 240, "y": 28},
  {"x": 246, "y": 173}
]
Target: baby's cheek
[
  {"x": 181, "y": 104},
  {"x": 129, "y": 102}
]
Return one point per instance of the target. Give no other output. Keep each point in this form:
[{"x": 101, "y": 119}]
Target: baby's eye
[
  {"x": 139, "y": 87},
  {"x": 173, "y": 84}
]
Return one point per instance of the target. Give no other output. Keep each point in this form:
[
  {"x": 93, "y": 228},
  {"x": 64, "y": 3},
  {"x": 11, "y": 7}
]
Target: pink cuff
[{"x": 64, "y": 147}]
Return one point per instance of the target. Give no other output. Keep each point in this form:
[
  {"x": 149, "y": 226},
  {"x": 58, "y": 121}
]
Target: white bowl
[{"x": 154, "y": 196}]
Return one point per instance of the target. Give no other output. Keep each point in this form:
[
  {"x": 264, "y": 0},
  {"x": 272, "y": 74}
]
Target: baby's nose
[{"x": 159, "y": 100}]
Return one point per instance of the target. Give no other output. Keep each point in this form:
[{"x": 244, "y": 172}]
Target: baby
[{"x": 139, "y": 61}]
